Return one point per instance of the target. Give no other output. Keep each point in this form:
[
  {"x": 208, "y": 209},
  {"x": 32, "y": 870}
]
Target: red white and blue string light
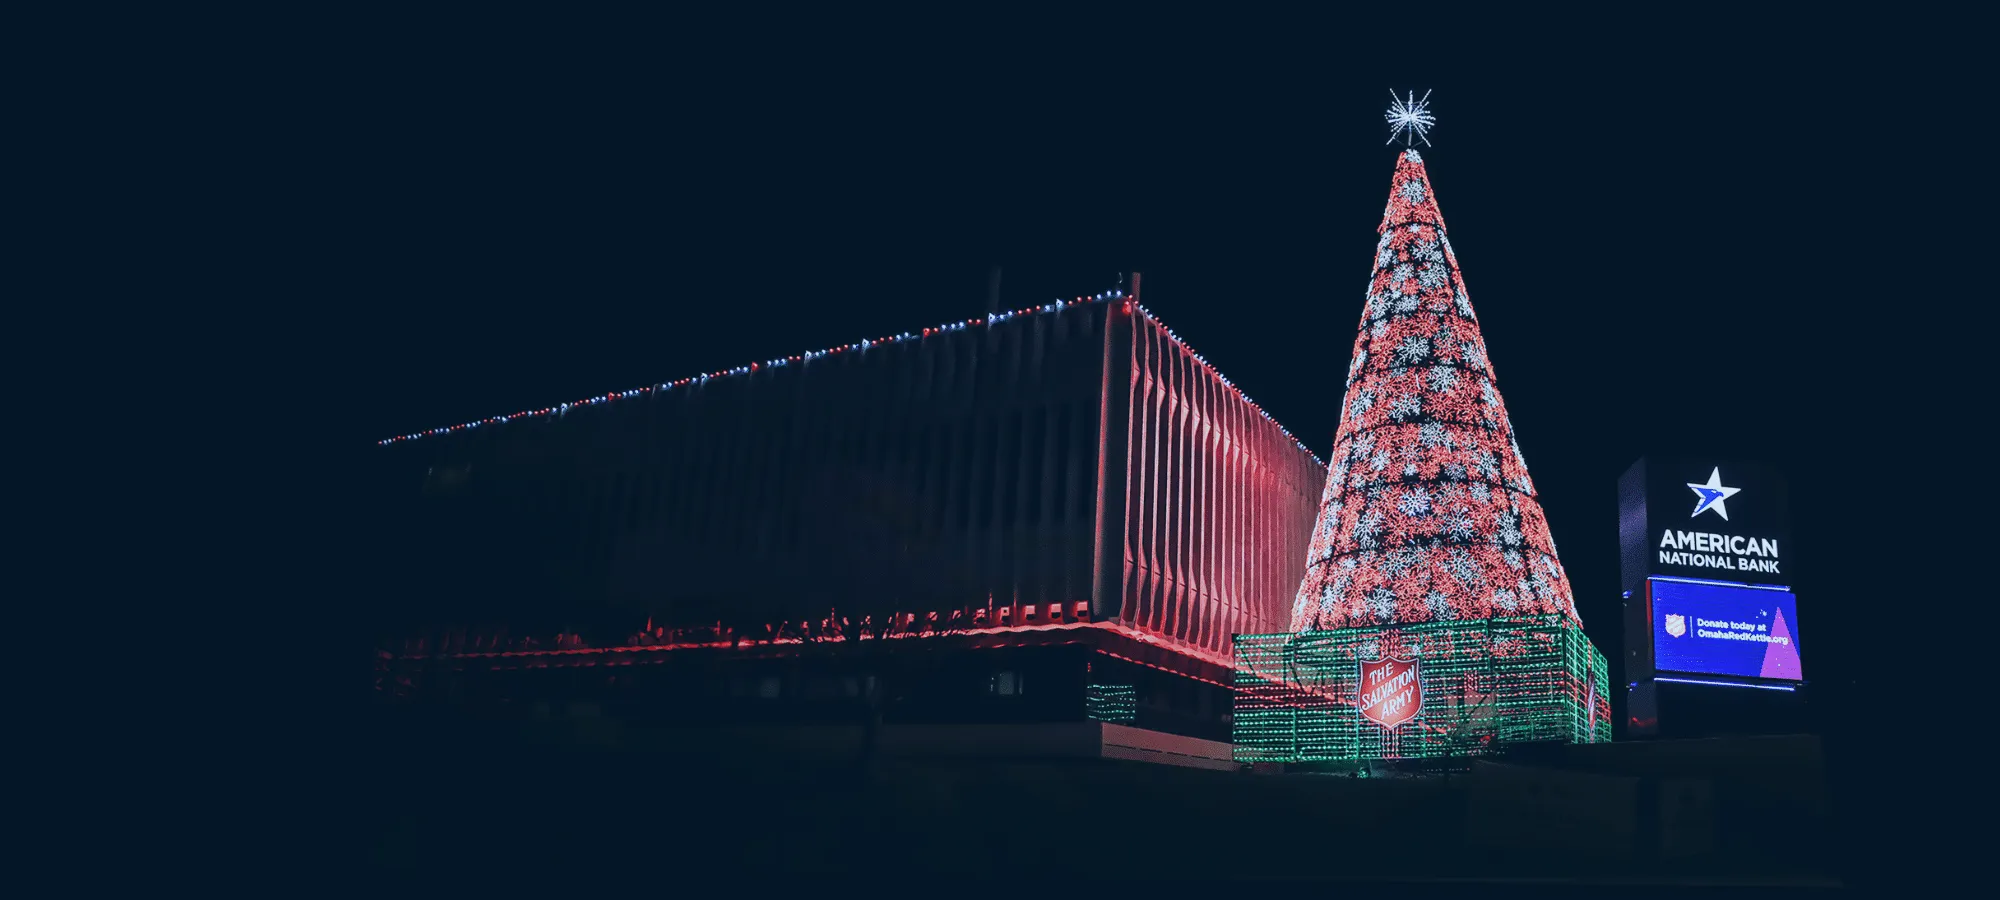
[
  {"x": 808, "y": 356},
  {"x": 857, "y": 346}
]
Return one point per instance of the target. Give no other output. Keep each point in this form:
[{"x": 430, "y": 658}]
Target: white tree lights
[{"x": 1428, "y": 513}]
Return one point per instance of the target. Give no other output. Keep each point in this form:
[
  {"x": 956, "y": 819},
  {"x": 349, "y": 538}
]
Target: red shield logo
[
  {"x": 1391, "y": 692},
  {"x": 1677, "y": 625}
]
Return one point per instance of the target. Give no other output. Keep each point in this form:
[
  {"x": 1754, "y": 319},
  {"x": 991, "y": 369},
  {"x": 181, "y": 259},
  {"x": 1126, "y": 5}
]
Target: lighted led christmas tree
[
  {"x": 1434, "y": 619},
  {"x": 1428, "y": 513}
]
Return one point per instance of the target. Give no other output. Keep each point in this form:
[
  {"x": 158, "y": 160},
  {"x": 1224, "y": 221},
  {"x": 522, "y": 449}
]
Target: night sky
[{"x": 1663, "y": 243}]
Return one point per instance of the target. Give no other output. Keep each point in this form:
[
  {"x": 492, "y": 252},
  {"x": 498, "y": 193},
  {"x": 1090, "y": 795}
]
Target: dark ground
[{"x": 496, "y": 806}]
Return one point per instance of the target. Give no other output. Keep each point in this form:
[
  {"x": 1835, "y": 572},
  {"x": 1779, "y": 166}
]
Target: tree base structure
[{"x": 1452, "y": 688}]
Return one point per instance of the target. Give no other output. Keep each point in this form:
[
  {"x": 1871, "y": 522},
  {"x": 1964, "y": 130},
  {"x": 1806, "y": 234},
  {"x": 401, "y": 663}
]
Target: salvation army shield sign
[
  {"x": 1390, "y": 693},
  {"x": 1677, "y": 625}
]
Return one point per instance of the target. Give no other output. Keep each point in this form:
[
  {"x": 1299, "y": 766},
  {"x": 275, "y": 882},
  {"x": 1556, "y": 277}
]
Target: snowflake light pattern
[
  {"x": 1410, "y": 118},
  {"x": 1428, "y": 513}
]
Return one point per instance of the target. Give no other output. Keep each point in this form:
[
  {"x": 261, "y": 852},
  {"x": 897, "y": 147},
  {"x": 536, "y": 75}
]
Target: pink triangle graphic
[{"x": 1781, "y": 660}]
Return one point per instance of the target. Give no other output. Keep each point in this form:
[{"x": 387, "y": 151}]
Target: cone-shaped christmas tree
[{"x": 1428, "y": 514}]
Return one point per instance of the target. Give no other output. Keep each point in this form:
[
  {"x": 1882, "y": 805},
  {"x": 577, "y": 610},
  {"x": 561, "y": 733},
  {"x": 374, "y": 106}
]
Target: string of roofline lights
[
  {"x": 1227, "y": 383},
  {"x": 633, "y": 651},
  {"x": 989, "y": 319}
]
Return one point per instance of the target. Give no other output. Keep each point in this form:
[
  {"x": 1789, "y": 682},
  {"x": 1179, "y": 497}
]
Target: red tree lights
[{"x": 1428, "y": 514}]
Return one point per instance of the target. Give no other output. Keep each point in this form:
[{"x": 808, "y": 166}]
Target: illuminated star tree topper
[{"x": 1410, "y": 117}]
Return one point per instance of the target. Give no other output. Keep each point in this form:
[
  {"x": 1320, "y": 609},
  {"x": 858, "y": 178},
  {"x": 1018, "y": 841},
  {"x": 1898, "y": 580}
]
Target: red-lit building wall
[
  {"x": 1043, "y": 468},
  {"x": 1212, "y": 506}
]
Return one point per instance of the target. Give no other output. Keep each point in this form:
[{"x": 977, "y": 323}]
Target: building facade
[{"x": 1067, "y": 490}]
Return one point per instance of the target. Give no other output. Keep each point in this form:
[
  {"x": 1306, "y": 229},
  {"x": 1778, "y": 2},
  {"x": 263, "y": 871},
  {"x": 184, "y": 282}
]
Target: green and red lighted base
[{"x": 1484, "y": 684}]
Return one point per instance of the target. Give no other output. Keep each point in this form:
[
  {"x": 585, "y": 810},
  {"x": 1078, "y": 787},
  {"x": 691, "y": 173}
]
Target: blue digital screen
[{"x": 1724, "y": 629}]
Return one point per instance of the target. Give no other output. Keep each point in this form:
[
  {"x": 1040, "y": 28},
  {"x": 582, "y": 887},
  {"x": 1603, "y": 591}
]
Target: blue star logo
[{"x": 1712, "y": 495}]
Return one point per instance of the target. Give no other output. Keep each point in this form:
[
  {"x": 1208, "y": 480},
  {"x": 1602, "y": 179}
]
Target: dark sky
[{"x": 1663, "y": 242}]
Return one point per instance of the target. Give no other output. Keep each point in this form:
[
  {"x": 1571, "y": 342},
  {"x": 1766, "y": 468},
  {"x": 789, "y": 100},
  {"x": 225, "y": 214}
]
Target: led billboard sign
[{"x": 1728, "y": 630}]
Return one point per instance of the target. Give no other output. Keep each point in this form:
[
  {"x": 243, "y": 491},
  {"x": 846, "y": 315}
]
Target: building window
[
  {"x": 1034, "y": 458},
  {"x": 1005, "y": 684},
  {"x": 1111, "y": 702},
  {"x": 1083, "y": 488},
  {"x": 1058, "y": 505}
]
